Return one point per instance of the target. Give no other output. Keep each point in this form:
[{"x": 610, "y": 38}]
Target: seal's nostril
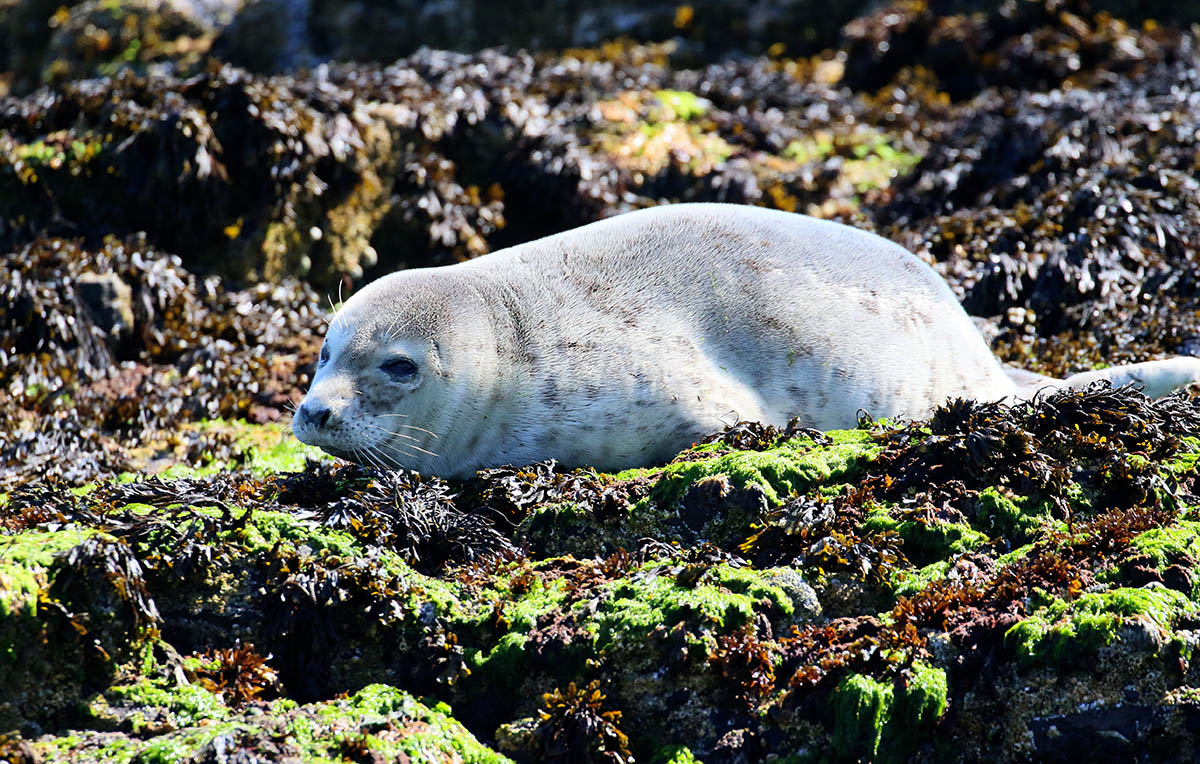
[{"x": 317, "y": 415}]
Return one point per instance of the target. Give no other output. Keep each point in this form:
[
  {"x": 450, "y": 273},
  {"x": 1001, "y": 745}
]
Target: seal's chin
[
  {"x": 339, "y": 453},
  {"x": 308, "y": 437}
]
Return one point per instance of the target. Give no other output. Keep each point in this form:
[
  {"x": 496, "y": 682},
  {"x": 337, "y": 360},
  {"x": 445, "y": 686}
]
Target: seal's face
[{"x": 376, "y": 384}]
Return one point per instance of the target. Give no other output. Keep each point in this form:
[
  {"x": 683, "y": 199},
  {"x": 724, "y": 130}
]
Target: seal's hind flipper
[{"x": 1155, "y": 378}]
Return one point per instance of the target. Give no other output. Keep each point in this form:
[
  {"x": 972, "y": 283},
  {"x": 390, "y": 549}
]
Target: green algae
[
  {"x": 926, "y": 542},
  {"x": 938, "y": 540},
  {"x": 861, "y": 706},
  {"x": 19, "y": 587},
  {"x": 272, "y": 448},
  {"x": 687, "y": 106},
  {"x": 384, "y": 719},
  {"x": 1060, "y": 632},
  {"x": 870, "y": 715},
  {"x": 722, "y": 599},
  {"x": 917, "y": 707},
  {"x": 432, "y": 732},
  {"x": 1183, "y": 463},
  {"x": 1017, "y": 519},
  {"x": 267, "y": 529},
  {"x": 906, "y": 583},
  {"x": 675, "y": 754},
  {"x": 185, "y": 705},
  {"x": 565, "y": 528},
  {"x": 791, "y": 467},
  {"x": 39, "y": 548},
  {"x": 179, "y": 746},
  {"x": 870, "y": 160},
  {"x": 502, "y": 662},
  {"x": 262, "y": 449},
  {"x": 25, "y": 560},
  {"x": 1170, "y": 546}
]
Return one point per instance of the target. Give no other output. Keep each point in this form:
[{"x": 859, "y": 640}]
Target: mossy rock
[{"x": 376, "y": 721}]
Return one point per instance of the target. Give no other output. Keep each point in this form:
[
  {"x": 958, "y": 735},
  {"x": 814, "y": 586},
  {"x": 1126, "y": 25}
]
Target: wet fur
[{"x": 619, "y": 343}]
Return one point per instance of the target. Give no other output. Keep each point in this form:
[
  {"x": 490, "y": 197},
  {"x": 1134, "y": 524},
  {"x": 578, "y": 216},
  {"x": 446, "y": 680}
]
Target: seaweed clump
[
  {"x": 239, "y": 675},
  {"x": 575, "y": 726},
  {"x": 400, "y": 511},
  {"x": 114, "y": 349},
  {"x": 1045, "y": 448}
]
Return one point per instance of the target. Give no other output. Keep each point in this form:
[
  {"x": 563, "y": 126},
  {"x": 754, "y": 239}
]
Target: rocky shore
[{"x": 180, "y": 580}]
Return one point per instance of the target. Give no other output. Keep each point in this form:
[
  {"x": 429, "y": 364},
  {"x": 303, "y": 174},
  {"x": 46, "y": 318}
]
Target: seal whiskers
[
  {"x": 412, "y": 446},
  {"x": 410, "y": 426}
]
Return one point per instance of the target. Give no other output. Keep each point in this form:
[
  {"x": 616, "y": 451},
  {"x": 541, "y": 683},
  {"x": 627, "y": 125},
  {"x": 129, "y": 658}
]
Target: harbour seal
[{"x": 620, "y": 343}]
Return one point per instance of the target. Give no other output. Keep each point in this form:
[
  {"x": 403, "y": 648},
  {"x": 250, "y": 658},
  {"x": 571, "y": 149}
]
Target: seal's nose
[{"x": 317, "y": 416}]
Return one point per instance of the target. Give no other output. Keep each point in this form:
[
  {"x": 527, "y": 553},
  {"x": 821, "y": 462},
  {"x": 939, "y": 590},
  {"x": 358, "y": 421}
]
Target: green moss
[
  {"x": 186, "y": 704},
  {"x": 1176, "y": 545},
  {"x": 675, "y": 754},
  {"x": 918, "y": 705},
  {"x": 861, "y": 706},
  {"x": 1060, "y": 632},
  {"x": 1016, "y": 519},
  {"x": 687, "y": 106},
  {"x": 794, "y": 466},
  {"x": 888, "y": 720},
  {"x": 906, "y": 583},
  {"x": 722, "y": 599},
  {"x": 386, "y": 719}
]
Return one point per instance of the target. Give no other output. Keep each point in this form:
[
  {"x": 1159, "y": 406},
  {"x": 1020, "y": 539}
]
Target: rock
[
  {"x": 357, "y": 30},
  {"x": 803, "y": 596},
  {"x": 24, "y": 31},
  {"x": 268, "y": 36},
  {"x": 104, "y": 37},
  {"x": 111, "y": 302}
]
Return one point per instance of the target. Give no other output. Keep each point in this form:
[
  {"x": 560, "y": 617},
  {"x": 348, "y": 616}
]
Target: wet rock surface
[{"x": 182, "y": 581}]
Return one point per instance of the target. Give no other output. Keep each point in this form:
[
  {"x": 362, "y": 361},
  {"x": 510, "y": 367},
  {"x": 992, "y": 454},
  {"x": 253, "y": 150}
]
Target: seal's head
[{"x": 396, "y": 367}]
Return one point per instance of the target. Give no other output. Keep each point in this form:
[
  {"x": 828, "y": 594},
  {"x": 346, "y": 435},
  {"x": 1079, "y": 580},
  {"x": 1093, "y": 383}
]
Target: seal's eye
[
  {"x": 324, "y": 355},
  {"x": 400, "y": 368}
]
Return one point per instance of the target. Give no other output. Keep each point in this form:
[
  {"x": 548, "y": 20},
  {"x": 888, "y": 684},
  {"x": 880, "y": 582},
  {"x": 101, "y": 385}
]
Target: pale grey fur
[{"x": 619, "y": 343}]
